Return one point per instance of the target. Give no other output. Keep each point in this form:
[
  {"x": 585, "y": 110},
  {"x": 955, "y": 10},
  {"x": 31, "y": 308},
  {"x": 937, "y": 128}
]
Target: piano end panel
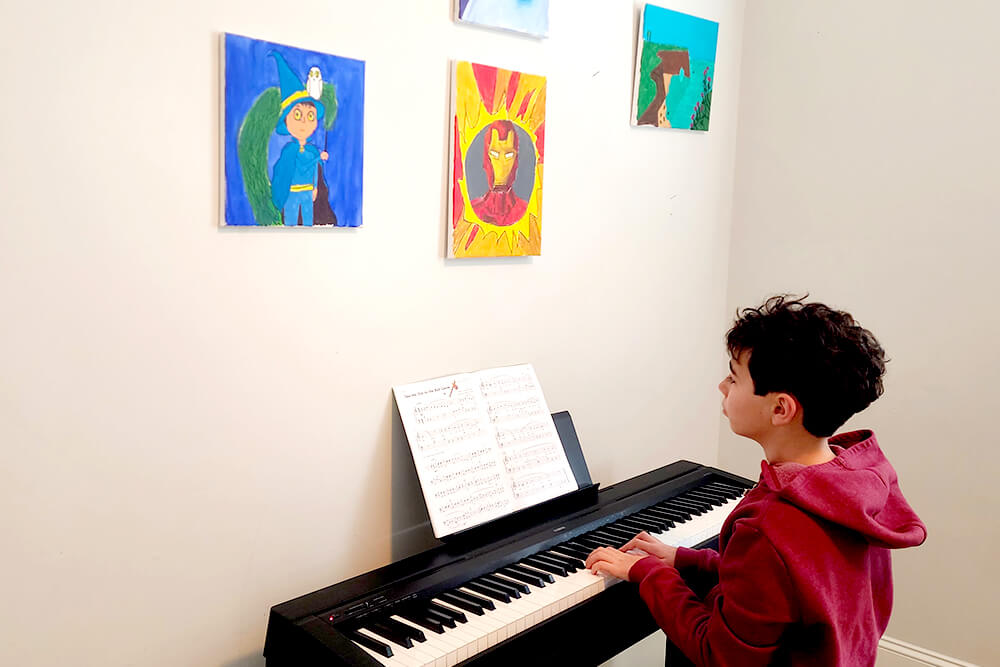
[
  {"x": 588, "y": 634},
  {"x": 310, "y": 643}
]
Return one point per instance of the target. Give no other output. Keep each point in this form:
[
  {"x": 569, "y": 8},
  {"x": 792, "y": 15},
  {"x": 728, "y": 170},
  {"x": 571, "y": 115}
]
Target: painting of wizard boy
[{"x": 293, "y": 126}]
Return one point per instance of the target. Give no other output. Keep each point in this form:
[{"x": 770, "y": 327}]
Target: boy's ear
[{"x": 785, "y": 409}]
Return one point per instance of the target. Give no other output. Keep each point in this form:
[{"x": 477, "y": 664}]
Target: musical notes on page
[{"x": 483, "y": 445}]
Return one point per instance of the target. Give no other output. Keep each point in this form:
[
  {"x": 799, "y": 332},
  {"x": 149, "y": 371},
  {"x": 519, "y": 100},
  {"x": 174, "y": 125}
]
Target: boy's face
[
  {"x": 301, "y": 121},
  {"x": 749, "y": 415}
]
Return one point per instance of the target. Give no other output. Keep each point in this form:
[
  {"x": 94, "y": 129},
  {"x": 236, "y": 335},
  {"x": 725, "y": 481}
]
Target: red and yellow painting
[{"x": 498, "y": 151}]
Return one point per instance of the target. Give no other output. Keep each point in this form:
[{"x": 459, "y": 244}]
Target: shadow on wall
[{"x": 411, "y": 527}]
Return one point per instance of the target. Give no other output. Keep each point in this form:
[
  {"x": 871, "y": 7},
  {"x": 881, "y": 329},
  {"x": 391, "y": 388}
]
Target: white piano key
[{"x": 445, "y": 649}]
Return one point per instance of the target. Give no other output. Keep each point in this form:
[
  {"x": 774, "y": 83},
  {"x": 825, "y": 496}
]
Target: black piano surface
[{"x": 316, "y": 629}]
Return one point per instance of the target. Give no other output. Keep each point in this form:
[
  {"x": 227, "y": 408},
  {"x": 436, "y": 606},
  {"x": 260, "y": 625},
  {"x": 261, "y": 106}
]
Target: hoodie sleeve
[
  {"x": 704, "y": 561},
  {"x": 746, "y": 615}
]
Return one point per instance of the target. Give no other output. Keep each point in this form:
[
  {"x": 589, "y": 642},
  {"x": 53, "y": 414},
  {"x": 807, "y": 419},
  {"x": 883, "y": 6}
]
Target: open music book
[{"x": 483, "y": 445}]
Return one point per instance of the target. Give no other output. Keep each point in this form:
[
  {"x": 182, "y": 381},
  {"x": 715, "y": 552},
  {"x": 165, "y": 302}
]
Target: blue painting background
[
  {"x": 700, "y": 37},
  {"x": 249, "y": 72}
]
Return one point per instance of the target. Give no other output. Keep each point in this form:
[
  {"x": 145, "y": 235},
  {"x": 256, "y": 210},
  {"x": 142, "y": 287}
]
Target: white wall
[
  {"x": 867, "y": 175},
  {"x": 196, "y": 422}
]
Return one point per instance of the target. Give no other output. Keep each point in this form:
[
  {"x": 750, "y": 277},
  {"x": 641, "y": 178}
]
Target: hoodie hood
[{"x": 858, "y": 490}]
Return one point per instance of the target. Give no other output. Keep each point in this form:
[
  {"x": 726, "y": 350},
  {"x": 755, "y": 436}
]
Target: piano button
[
  {"x": 505, "y": 585},
  {"x": 447, "y": 612},
  {"x": 367, "y": 641},
  {"x": 545, "y": 566},
  {"x": 555, "y": 559},
  {"x": 461, "y": 603},
  {"x": 392, "y": 634},
  {"x": 543, "y": 576},
  {"x": 485, "y": 603},
  {"x": 520, "y": 575},
  {"x": 574, "y": 563},
  {"x": 489, "y": 591},
  {"x": 520, "y": 586}
]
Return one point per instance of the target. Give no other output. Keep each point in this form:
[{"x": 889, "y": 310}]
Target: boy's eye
[
  {"x": 312, "y": 116},
  {"x": 298, "y": 115}
]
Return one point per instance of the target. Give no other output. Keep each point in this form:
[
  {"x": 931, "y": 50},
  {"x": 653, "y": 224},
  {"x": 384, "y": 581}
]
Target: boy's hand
[
  {"x": 608, "y": 560},
  {"x": 653, "y": 547},
  {"x": 324, "y": 155}
]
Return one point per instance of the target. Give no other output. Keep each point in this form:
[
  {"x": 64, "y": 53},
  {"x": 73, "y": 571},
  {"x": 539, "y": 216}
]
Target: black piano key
[
  {"x": 556, "y": 559},
  {"x": 445, "y": 612},
  {"x": 575, "y": 563},
  {"x": 675, "y": 517},
  {"x": 533, "y": 578},
  {"x": 424, "y": 620},
  {"x": 656, "y": 515},
  {"x": 658, "y": 524},
  {"x": 545, "y": 576},
  {"x": 393, "y": 635},
  {"x": 485, "y": 603},
  {"x": 572, "y": 551},
  {"x": 488, "y": 591},
  {"x": 576, "y": 544},
  {"x": 515, "y": 588},
  {"x": 683, "y": 513},
  {"x": 622, "y": 531},
  {"x": 545, "y": 565},
  {"x": 690, "y": 497},
  {"x": 686, "y": 505},
  {"x": 728, "y": 491},
  {"x": 408, "y": 630},
  {"x": 369, "y": 643},
  {"x": 708, "y": 497},
  {"x": 609, "y": 538},
  {"x": 462, "y": 603},
  {"x": 634, "y": 525},
  {"x": 592, "y": 542}
]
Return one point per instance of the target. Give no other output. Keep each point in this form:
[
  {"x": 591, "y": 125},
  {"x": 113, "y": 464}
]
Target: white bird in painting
[{"x": 314, "y": 83}]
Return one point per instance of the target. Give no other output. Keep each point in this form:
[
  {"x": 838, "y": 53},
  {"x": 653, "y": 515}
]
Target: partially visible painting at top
[
  {"x": 293, "y": 136},
  {"x": 530, "y": 16},
  {"x": 674, "y": 70}
]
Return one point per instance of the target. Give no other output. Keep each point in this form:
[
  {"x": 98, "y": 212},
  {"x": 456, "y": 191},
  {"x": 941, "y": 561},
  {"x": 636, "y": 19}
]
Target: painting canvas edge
[
  {"x": 634, "y": 121},
  {"x": 223, "y": 194},
  {"x": 453, "y": 119}
]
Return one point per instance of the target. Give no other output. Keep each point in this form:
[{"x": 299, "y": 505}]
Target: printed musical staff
[{"x": 483, "y": 445}]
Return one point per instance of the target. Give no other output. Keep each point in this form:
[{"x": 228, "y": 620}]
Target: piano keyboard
[{"x": 457, "y": 624}]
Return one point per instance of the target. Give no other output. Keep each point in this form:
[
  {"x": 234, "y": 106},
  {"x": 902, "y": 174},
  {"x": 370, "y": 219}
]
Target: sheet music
[{"x": 483, "y": 444}]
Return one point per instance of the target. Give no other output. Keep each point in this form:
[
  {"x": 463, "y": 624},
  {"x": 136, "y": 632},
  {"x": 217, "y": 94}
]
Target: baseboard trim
[{"x": 920, "y": 655}]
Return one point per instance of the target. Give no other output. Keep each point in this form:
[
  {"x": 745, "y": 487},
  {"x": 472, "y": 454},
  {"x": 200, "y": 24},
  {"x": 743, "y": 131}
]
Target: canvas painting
[
  {"x": 674, "y": 70},
  {"x": 497, "y": 154},
  {"x": 293, "y": 136},
  {"x": 528, "y": 16}
]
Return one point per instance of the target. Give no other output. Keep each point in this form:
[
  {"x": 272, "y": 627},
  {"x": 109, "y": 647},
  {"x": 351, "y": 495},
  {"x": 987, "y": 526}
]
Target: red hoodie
[{"x": 803, "y": 568}]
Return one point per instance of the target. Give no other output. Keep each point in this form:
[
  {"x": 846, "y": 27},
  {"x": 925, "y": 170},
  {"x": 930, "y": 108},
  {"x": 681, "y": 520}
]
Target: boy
[{"x": 802, "y": 575}]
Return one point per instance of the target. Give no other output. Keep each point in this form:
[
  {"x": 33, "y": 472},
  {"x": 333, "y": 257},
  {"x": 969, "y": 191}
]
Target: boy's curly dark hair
[{"x": 819, "y": 355}]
